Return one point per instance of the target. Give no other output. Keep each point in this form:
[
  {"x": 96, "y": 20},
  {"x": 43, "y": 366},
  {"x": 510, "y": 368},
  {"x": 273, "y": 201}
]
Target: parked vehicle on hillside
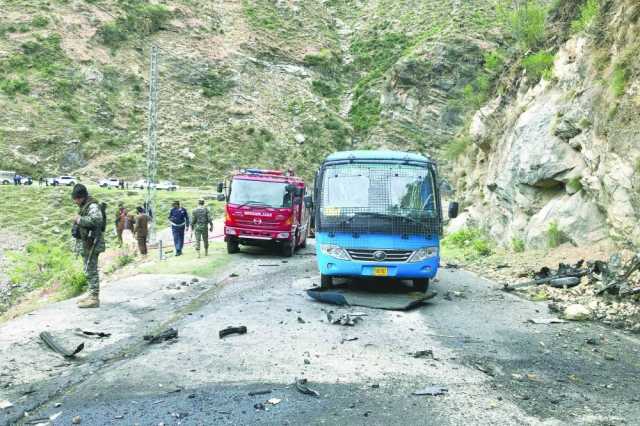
[
  {"x": 378, "y": 214},
  {"x": 266, "y": 208},
  {"x": 140, "y": 184},
  {"x": 63, "y": 180},
  {"x": 166, "y": 185},
  {"x": 7, "y": 177},
  {"x": 109, "y": 183}
]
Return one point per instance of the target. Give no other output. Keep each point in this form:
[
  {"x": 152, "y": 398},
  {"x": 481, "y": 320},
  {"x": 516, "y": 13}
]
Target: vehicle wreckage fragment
[
  {"x": 232, "y": 330},
  {"x": 301, "y": 386},
  {"x": 566, "y": 276},
  {"x": 169, "y": 334},
  {"x": 55, "y": 346}
]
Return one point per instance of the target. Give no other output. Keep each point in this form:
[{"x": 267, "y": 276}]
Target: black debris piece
[
  {"x": 55, "y": 346},
  {"x": 451, "y": 266},
  {"x": 259, "y": 392},
  {"x": 301, "y": 385},
  {"x": 348, "y": 320},
  {"x": 301, "y": 320},
  {"x": 234, "y": 275},
  {"x": 427, "y": 353},
  {"x": 431, "y": 391},
  {"x": 566, "y": 276},
  {"x": 259, "y": 406},
  {"x": 169, "y": 334},
  {"x": 232, "y": 330},
  {"x": 98, "y": 334}
]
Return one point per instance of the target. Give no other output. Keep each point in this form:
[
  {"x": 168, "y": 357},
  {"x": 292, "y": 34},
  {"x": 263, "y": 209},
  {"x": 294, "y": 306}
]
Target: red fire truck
[{"x": 266, "y": 208}]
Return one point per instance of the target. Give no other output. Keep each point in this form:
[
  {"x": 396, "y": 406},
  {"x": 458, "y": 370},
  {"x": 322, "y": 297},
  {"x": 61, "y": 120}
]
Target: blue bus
[{"x": 378, "y": 214}]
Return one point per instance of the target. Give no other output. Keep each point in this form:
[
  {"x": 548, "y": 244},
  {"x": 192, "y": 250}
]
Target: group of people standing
[
  {"x": 201, "y": 224},
  {"x": 90, "y": 226}
]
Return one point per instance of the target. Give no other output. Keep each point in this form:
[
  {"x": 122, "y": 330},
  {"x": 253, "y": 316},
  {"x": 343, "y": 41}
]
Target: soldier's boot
[
  {"x": 91, "y": 301},
  {"x": 206, "y": 251}
]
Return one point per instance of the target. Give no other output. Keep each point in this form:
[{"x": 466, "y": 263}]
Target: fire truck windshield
[{"x": 259, "y": 193}]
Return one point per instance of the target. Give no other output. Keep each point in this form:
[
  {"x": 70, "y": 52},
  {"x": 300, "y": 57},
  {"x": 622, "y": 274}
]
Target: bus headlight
[
  {"x": 334, "y": 251},
  {"x": 423, "y": 254}
]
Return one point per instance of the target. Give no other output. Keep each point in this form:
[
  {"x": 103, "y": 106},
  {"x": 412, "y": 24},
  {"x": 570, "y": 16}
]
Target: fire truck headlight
[
  {"x": 334, "y": 251},
  {"x": 423, "y": 254}
]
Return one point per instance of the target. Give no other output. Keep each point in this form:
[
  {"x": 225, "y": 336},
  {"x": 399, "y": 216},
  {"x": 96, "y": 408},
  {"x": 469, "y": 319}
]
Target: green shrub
[
  {"x": 588, "y": 12},
  {"x": 575, "y": 184},
  {"x": 13, "y": 87},
  {"x": 216, "y": 83},
  {"x": 365, "y": 112},
  {"x": 517, "y": 244},
  {"x": 322, "y": 88},
  {"x": 457, "y": 147},
  {"x": 539, "y": 65},
  {"x": 525, "y": 19},
  {"x": 40, "y": 21},
  {"x": 141, "y": 19},
  {"x": 124, "y": 260},
  {"x": 493, "y": 62},
  {"x": 468, "y": 242},
  {"x": 620, "y": 79},
  {"x": 554, "y": 235},
  {"x": 45, "y": 265}
]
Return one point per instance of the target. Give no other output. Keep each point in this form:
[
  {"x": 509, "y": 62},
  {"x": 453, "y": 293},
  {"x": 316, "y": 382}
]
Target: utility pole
[{"x": 152, "y": 144}]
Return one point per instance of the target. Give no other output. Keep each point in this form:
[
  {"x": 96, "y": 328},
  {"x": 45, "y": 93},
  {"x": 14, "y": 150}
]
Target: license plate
[{"x": 380, "y": 272}]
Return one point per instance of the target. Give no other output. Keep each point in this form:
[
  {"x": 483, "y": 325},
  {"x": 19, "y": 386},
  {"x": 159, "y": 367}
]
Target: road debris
[
  {"x": 259, "y": 406},
  {"x": 55, "y": 346},
  {"x": 546, "y": 321},
  {"x": 566, "y": 276},
  {"x": 301, "y": 320},
  {"x": 427, "y": 353},
  {"x": 485, "y": 369},
  {"x": 348, "y": 339},
  {"x": 98, "y": 334},
  {"x": 4, "y": 404},
  {"x": 346, "y": 319},
  {"x": 301, "y": 386},
  {"x": 259, "y": 392},
  {"x": 274, "y": 401},
  {"x": 576, "y": 312},
  {"x": 232, "y": 330},
  {"x": 76, "y": 420},
  {"x": 431, "y": 391},
  {"x": 169, "y": 334}
]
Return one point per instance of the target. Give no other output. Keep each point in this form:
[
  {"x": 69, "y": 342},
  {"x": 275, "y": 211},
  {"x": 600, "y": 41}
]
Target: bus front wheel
[
  {"x": 326, "y": 281},
  {"x": 421, "y": 284}
]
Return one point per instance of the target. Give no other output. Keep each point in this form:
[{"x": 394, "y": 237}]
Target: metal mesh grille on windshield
[{"x": 379, "y": 198}]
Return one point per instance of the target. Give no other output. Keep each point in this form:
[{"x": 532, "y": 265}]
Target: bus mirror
[
  {"x": 454, "y": 208},
  {"x": 308, "y": 202},
  {"x": 221, "y": 197},
  {"x": 220, "y": 187}
]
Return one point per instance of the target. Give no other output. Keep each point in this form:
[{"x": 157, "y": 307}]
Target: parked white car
[
  {"x": 109, "y": 183},
  {"x": 6, "y": 178},
  {"x": 140, "y": 184},
  {"x": 166, "y": 185},
  {"x": 62, "y": 180}
]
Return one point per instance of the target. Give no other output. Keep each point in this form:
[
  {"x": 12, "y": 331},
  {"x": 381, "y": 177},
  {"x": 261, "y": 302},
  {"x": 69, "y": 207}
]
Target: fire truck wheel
[
  {"x": 326, "y": 281},
  {"x": 233, "y": 247},
  {"x": 421, "y": 284},
  {"x": 288, "y": 248}
]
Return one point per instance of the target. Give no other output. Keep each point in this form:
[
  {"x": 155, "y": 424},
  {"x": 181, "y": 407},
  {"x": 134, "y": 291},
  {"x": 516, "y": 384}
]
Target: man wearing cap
[
  {"x": 89, "y": 226},
  {"x": 201, "y": 226},
  {"x": 179, "y": 219}
]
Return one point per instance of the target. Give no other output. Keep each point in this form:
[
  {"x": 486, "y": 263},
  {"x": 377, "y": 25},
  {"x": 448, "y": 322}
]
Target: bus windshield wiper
[
  {"x": 379, "y": 216},
  {"x": 255, "y": 203}
]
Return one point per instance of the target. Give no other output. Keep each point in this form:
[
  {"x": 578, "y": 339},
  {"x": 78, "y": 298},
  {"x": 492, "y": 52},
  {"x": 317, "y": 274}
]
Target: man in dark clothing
[
  {"x": 179, "y": 219},
  {"x": 121, "y": 222},
  {"x": 141, "y": 230}
]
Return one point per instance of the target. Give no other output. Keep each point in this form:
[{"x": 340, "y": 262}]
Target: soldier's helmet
[{"x": 79, "y": 191}]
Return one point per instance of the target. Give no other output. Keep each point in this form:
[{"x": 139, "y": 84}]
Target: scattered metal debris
[
  {"x": 345, "y": 319},
  {"x": 427, "y": 353},
  {"x": 348, "y": 339},
  {"x": 301, "y": 320},
  {"x": 259, "y": 392},
  {"x": 431, "y": 391},
  {"x": 451, "y": 266},
  {"x": 485, "y": 369},
  {"x": 274, "y": 401},
  {"x": 98, "y": 334},
  {"x": 259, "y": 406},
  {"x": 4, "y": 404},
  {"x": 232, "y": 330},
  {"x": 546, "y": 321},
  {"x": 55, "y": 346},
  {"x": 566, "y": 276},
  {"x": 169, "y": 334},
  {"x": 301, "y": 385},
  {"x": 615, "y": 278}
]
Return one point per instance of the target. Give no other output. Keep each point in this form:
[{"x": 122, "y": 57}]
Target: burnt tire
[
  {"x": 288, "y": 248},
  {"x": 326, "y": 281},
  {"x": 233, "y": 247},
  {"x": 421, "y": 284}
]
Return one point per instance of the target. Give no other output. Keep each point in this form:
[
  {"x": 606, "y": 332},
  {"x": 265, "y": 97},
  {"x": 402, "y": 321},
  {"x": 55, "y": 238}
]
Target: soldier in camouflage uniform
[
  {"x": 201, "y": 225},
  {"x": 89, "y": 223}
]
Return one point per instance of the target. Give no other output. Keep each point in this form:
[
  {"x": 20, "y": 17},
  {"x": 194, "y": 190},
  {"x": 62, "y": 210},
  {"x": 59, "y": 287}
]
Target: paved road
[{"x": 498, "y": 368}]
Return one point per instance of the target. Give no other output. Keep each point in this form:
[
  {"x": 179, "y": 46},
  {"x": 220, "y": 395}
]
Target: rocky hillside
[
  {"x": 270, "y": 83},
  {"x": 555, "y": 157}
]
